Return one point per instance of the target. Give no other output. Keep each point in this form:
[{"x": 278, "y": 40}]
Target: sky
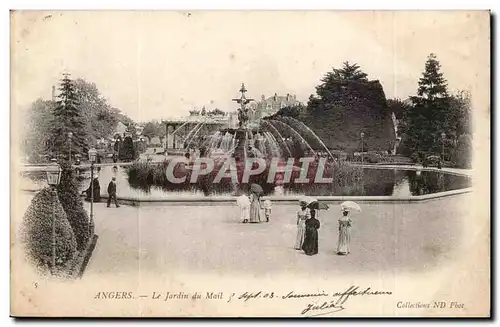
[{"x": 154, "y": 65}]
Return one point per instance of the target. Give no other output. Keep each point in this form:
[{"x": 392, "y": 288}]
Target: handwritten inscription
[{"x": 317, "y": 303}]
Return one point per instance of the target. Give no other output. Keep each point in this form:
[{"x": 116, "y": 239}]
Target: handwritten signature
[{"x": 333, "y": 305}]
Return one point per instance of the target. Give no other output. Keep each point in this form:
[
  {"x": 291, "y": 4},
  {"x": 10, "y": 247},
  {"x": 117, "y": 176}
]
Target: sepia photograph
[{"x": 250, "y": 163}]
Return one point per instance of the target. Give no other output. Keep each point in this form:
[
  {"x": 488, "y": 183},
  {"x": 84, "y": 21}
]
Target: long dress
[
  {"x": 302, "y": 216},
  {"x": 255, "y": 208},
  {"x": 343, "y": 247},
  {"x": 310, "y": 245},
  {"x": 96, "y": 189}
]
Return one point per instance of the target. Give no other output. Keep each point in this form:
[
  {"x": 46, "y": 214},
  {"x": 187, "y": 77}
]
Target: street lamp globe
[
  {"x": 70, "y": 135},
  {"x": 92, "y": 154},
  {"x": 443, "y": 135},
  {"x": 362, "y": 134},
  {"x": 54, "y": 174}
]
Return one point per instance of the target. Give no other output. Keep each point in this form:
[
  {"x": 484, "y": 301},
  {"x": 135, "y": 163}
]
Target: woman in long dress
[
  {"x": 302, "y": 215},
  {"x": 310, "y": 245},
  {"x": 345, "y": 224},
  {"x": 255, "y": 208}
]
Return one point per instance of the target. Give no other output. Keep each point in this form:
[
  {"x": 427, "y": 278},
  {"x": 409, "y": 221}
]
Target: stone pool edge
[{"x": 231, "y": 200}]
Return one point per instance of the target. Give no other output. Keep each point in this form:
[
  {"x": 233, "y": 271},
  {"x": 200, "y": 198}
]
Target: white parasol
[{"x": 350, "y": 205}]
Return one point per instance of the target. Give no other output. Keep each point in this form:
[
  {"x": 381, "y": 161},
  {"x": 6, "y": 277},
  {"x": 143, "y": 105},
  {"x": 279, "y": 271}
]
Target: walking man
[{"x": 112, "y": 192}]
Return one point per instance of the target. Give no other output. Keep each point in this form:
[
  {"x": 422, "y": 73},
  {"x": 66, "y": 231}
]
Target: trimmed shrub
[
  {"x": 37, "y": 231},
  {"x": 70, "y": 199}
]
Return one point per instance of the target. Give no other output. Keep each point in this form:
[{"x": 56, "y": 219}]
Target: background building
[{"x": 270, "y": 105}]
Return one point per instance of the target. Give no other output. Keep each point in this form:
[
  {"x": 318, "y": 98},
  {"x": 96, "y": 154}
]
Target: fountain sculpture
[{"x": 284, "y": 143}]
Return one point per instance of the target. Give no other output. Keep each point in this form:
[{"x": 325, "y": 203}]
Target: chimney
[
  {"x": 275, "y": 97},
  {"x": 288, "y": 97},
  {"x": 263, "y": 98},
  {"x": 53, "y": 93},
  {"x": 295, "y": 97}
]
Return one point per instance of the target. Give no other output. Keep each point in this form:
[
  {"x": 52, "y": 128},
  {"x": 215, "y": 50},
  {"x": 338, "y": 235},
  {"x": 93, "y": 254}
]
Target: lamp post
[
  {"x": 92, "y": 158},
  {"x": 70, "y": 137},
  {"x": 53, "y": 179},
  {"x": 362, "y": 147},
  {"x": 443, "y": 136}
]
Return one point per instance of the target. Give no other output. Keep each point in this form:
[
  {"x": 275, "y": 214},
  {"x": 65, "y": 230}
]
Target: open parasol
[
  {"x": 317, "y": 205},
  {"x": 307, "y": 200},
  {"x": 256, "y": 188},
  {"x": 350, "y": 205}
]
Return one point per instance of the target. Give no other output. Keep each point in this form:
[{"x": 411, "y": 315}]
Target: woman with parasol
[
  {"x": 255, "y": 203},
  {"x": 345, "y": 223},
  {"x": 310, "y": 245},
  {"x": 303, "y": 214}
]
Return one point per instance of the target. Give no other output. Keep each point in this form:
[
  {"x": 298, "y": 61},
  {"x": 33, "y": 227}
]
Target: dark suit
[{"x": 112, "y": 193}]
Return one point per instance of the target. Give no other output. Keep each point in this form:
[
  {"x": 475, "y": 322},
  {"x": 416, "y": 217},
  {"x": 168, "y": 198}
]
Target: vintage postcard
[{"x": 250, "y": 164}]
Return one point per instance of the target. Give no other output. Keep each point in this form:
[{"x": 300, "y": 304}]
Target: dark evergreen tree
[
  {"x": 68, "y": 118},
  {"x": 127, "y": 152},
  {"x": 427, "y": 118},
  {"x": 349, "y": 72}
]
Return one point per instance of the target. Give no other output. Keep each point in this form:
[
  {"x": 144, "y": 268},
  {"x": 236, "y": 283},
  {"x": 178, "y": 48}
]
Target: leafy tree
[
  {"x": 459, "y": 115},
  {"x": 427, "y": 118},
  {"x": 68, "y": 118},
  {"x": 70, "y": 199},
  {"x": 100, "y": 117},
  {"x": 38, "y": 126},
  {"x": 152, "y": 129}
]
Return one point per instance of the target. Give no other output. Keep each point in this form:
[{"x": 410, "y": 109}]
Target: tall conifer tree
[
  {"x": 68, "y": 118},
  {"x": 427, "y": 116}
]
